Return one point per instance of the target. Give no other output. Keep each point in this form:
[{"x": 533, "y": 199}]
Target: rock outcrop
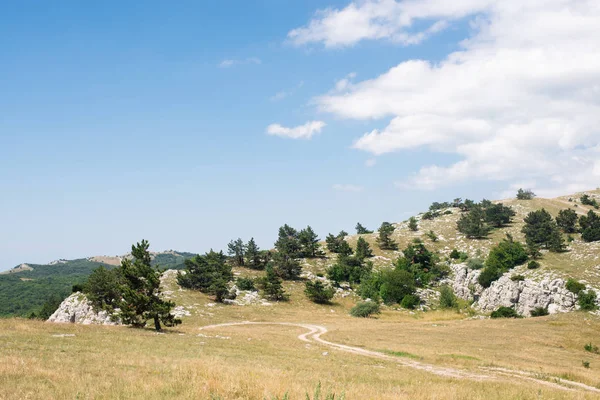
[
  {"x": 524, "y": 295},
  {"x": 77, "y": 309}
]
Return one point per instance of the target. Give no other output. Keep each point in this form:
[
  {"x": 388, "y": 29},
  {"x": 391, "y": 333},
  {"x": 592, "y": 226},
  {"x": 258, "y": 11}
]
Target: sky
[{"x": 193, "y": 123}]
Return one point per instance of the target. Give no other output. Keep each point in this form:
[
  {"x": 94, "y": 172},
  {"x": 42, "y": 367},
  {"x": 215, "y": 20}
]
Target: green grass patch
[{"x": 403, "y": 354}]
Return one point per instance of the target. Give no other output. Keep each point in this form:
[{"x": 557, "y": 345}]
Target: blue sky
[{"x": 122, "y": 121}]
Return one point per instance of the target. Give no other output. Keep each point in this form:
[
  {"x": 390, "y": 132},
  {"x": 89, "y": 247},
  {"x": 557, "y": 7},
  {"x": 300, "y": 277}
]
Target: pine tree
[
  {"x": 285, "y": 260},
  {"x": 541, "y": 229},
  {"x": 384, "y": 240},
  {"x": 590, "y": 227},
  {"x": 498, "y": 215},
  {"x": 271, "y": 286},
  {"x": 361, "y": 230},
  {"x": 473, "y": 224},
  {"x": 141, "y": 296},
  {"x": 363, "y": 250},
  {"x": 412, "y": 224},
  {"x": 318, "y": 293},
  {"x": 209, "y": 273},
  {"x": 344, "y": 248},
  {"x": 525, "y": 194},
  {"x": 309, "y": 243},
  {"x": 567, "y": 220},
  {"x": 237, "y": 249},
  {"x": 253, "y": 255}
]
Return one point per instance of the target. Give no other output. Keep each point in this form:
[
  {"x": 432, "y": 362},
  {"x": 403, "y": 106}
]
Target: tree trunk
[{"x": 157, "y": 323}]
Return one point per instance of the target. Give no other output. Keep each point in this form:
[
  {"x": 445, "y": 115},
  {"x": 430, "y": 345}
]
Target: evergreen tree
[
  {"x": 337, "y": 244},
  {"x": 253, "y": 255},
  {"x": 102, "y": 289},
  {"x": 344, "y": 248},
  {"x": 237, "y": 250},
  {"x": 363, "y": 250},
  {"x": 209, "y": 273},
  {"x": 141, "y": 298},
  {"x": 567, "y": 221},
  {"x": 541, "y": 229},
  {"x": 473, "y": 224},
  {"x": 525, "y": 194},
  {"x": 309, "y": 243},
  {"x": 498, "y": 215},
  {"x": 285, "y": 260},
  {"x": 586, "y": 200},
  {"x": 271, "y": 286},
  {"x": 349, "y": 269},
  {"x": 412, "y": 224},
  {"x": 361, "y": 230},
  {"x": 318, "y": 293},
  {"x": 384, "y": 240},
  {"x": 590, "y": 227}
]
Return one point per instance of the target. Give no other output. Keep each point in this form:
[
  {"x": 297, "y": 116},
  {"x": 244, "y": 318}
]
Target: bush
[
  {"x": 591, "y": 348},
  {"x": 586, "y": 364},
  {"x": 78, "y": 287},
  {"x": 488, "y": 276},
  {"x": 574, "y": 286},
  {"x": 507, "y": 255},
  {"x": 455, "y": 254},
  {"x": 432, "y": 236},
  {"x": 475, "y": 263},
  {"x": 396, "y": 285},
  {"x": 525, "y": 194},
  {"x": 318, "y": 293},
  {"x": 245, "y": 284},
  {"x": 410, "y": 301},
  {"x": 447, "y": 297},
  {"x": 365, "y": 309},
  {"x": 517, "y": 278},
  {"x": 533, "y": 264},
  {"x": 539, "y": 312},
  {"x": 505, "y": 312},
  {"x": 587, "y": 300}
]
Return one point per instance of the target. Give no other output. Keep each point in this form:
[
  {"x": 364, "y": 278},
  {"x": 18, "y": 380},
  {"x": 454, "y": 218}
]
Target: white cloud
[
  {"x": 305, "y": 131},
  {"x": 231, "y": 63},
  {"x": 347, "y": 188},
  {"x": 519, "y": 101}
]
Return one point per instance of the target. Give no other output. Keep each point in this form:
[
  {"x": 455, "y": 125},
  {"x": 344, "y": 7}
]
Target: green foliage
[
  {"x": 429, "y": 215},
  {"x": 141, "y": 298},
  {"x": 574, "y": 286},
  {"x": 363, "y": 250},
  {"x": 384, "y": 240},
  {"x": 421, "y": 263},
  {"x": 585, "y": 364},
  {"x": 285, "y": 266},
  {"x": 410, "y": 301},
  {"x": 447, "y": 297},
  {"x": 78, "y": 287},
  {"x": 317, "y": 395},
  {"x": 588, "y": 201},
  {"x": 245, "y": 284},
  {"x": 337, "y": 244},
  {"x": 432, "y": 236},
  {"x": 502, "y": 258},
  {"x": 395, "y": 285},
  {"x": 567, "y": 220},
  {"x": 255, "y": 258},
  {"x": 365, "y": 309},
  {"x": 533, "y": 264},
  {"x": 541, "y": 230},
  {"x": 517, "y": 278},
  {"x": 236, "y": 250},
  {"x": 591, "y": 348},
  {"x": 473, "y": 224},
  {"x": 505, "y": 312},
  {"x": 412, "y": 224},
  {"x": 349, "y": 269},
  {"x": 454, "y": 254},
  {"x": 285, "y": 260},
  {"x": 318, "y": 293},
  {"x": 525, "y": 194},
  {"x": 361, "y": 230},
  {"x": 271, "y": 286},
  {"x": 208, "y": 273},
  {"x": 309, "y": 243},
  {"x": 475, "y": 263},
  {"x": 488, "y": 276},
  {"x": 539, "y": 312},
  {"x": 49, "y": 307},
  {"x": 498, "y": 215},
  {"x": 590, "y": 227},
  {"x": 103, "y": 288},
  {"x": 587, "y": 300}
]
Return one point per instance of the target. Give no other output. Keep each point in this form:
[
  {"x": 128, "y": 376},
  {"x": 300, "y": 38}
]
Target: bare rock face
[
  {"x": 77, "y": 309},
  {"x": 524, "y": 296}
]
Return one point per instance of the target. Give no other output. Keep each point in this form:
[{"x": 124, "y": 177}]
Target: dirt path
[{"x": 314, "y": 336}]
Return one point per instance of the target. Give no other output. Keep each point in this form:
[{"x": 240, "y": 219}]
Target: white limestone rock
[{"x": 77, "y": 309}]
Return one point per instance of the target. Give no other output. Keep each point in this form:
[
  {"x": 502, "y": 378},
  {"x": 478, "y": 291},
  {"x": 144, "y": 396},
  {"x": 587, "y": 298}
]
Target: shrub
[
  {"x": 396, "y": 284},
  {"x": 447, "y": 297},
  {"x": 591, "y": 348},
  {"x": 78, "y": 287},
  {"x": 506, "y": 255},
  {"x": 365, "y": 309},
  {"x": 517, "y": 278},
  {"x": 525, "y": 194},
  {"x": 574, "y": 286},
  {"x": 245, "y": 284},
  {"x": 533, "y": 264},
  {"x": 412, "y": 224},
  {"x": 587, "y": 300},
  {"x": 454, "y": 254},
  {"x": 586, "y": 364},
  {"x": 488, "y": 276},
  {"x": 505, "y": 312},
  {"x": 473, "y": 224},
  {"x": 318, "y": 293},
  {"x": 590, "y": 227},
  {"x": 586, "y": 200},
  {"x": 431, "y": 235},
  {"x": 410, "y": 301},
  {"x": 539, "y": 312},
  {"x": 475, "y": 263}
]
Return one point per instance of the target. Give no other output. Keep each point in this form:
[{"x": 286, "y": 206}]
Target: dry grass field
[{"x": 397, "y": 355}]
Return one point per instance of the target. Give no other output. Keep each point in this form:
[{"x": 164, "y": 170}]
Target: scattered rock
[{"x": 77, "y": 309}]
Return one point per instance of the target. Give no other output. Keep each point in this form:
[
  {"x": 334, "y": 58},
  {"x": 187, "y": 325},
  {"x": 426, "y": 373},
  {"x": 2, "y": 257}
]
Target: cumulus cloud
[
  {"x": 230, "y": 63},
  {"x": 347, "y": 188},
  {"x": 519, "y": 101},
  {"x": 305, "y": 131}
]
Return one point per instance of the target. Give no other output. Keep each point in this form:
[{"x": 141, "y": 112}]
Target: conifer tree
[
  {"x": 412, "y": 224},
  {"x": 590, "y": 227},
  {"x": 285, "y": 260},
  {"x": 253, "y": 255},
  {"x": 363, "y": 250},
  {"x": 473, "y": 224},
  {"x": 309, "y": 243},
  {"x": 540, "y": 229},
  {"x": 567, "y": 220},
  {"x": 271, "y": 286},
  {"x": 361, "y": 230},
  {"x": 237, "y": 250},
  {"x": 384, "y": 240},
  {"x": 140, "y": 290}
]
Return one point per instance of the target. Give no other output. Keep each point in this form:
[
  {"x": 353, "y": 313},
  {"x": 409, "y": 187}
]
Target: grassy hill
[{"x": 25, "y": 288}]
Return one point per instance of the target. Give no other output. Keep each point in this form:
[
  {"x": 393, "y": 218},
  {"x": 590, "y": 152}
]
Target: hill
[{"x": 27, "y": 287}]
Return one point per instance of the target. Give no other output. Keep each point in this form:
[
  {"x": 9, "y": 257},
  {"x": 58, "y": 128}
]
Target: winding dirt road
[{"x": 314, "y": 336}]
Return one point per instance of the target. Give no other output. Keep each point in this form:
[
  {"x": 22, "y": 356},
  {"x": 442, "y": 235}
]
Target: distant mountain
[{"x": 26, "y": 287}]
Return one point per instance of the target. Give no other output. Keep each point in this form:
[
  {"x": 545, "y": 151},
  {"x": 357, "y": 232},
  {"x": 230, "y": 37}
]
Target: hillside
[{"x": 25, "y": 288}]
